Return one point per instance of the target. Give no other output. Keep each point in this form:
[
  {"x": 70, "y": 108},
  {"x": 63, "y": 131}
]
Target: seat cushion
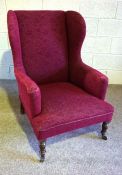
[{"x": 66, "y": 107}]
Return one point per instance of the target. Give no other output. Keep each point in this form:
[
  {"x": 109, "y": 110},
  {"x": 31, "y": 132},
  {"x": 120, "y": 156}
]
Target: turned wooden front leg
[
  {"x": 104, "y": 129},
  {"x": 42, "y": 150},
  {"x": 22, "y": 111}
]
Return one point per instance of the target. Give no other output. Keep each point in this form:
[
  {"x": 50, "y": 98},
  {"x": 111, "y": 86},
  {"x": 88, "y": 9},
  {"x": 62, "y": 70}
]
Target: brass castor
[
  {"x": 104, "y": 129},
  {"x": 42, "y": 150}
]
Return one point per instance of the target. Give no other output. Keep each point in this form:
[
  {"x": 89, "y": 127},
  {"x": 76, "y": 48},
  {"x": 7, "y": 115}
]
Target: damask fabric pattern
[
  {"x": 30, "y": 94},
  {"x": 44, "y": 45},
  {"x": 82, "y": 75},
  {"x": 66, "y": 107},
  {"x": 59, "y": 92},
  {"x": 90, "y": 80}
]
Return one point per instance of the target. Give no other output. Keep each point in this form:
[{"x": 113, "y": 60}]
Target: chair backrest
[{"x": 46, "y": 44}]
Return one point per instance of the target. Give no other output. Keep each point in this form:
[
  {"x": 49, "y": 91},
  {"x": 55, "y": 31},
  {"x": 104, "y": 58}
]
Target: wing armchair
[{"x": 57, "y": 91}]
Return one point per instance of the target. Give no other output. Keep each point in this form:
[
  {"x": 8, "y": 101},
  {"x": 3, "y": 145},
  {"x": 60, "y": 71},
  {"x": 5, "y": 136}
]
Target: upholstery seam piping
[{"x": 76, "y": 121}]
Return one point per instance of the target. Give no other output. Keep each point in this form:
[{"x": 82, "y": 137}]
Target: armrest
[
  {"x": 29, "y": 92},
  {"x": 91, "y": 80}
]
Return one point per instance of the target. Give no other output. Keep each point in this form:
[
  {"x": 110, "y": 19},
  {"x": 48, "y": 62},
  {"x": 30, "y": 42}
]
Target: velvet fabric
[{"x": 58, "y": 91}]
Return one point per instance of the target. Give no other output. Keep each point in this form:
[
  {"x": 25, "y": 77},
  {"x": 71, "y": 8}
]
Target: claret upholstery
[{"x": 57, "y": 91}]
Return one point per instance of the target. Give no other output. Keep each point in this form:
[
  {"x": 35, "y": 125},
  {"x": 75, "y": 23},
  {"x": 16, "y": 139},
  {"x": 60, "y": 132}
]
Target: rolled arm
[
  {"x": 29, "y": 92},
  {"x": 91, "y": 80}
]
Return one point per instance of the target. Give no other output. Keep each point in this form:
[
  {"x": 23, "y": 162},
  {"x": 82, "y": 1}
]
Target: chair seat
[{"x": 66, "y": 107}]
